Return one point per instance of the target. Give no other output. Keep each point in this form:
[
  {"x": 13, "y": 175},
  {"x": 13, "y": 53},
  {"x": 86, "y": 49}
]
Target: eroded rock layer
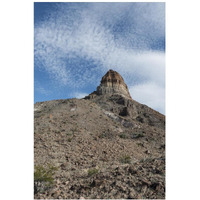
[{"x": 111, "y": 83}]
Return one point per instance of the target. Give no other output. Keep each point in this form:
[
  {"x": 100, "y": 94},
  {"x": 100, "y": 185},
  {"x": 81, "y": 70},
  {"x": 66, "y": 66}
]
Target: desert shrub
[
  {"x": 137, "y": 135},
  {"x": 140, "y": 144},
  {"x": 43, "y": 178},
  {"x": 106, "y": 134},
  {"x": 74, "y": 129},
  {"x": 92, "y": 171},
  {"x": 123, "y": 136},
  {"x": 69, "y": 134},
  {"x": 125, "y": 159},
  {"x": 140, "y": 119},
  {"x": 69, "y": 139},
  {"x": 103, "y": 135}
]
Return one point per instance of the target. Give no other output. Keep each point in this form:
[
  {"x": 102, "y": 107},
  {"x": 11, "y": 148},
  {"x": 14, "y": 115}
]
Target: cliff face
[{"x": 111, "y": 83}]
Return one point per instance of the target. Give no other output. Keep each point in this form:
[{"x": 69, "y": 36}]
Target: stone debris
[{"x": 105, "y": 146}]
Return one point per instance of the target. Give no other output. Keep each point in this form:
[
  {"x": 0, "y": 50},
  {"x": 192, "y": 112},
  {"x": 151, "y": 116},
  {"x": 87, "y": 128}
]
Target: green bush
[
  {"x": 106, "y": 134},
  {"x": 92, "y": 171},
  {"x": 43, "y": 178},
  {"x": 69, "y": 139},
  {"x": 125, "y": 159},
  {"x": 123, "y": 136},
  {"x": 137, "y": 135}
]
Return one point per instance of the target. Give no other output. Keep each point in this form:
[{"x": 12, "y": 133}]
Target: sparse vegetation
[
  {"x": 43, "y": 177},
  {"x": 69, "y": 134},
  {"x": 69, "y": 139},
  {"x": 114, "y": 159},
  {"x": 123, "y": 136},
  {"x": 74, "y": 129},
  {"x": 140, "y": 144},
  {"x": 137, "y": 135},
  {"x": 106, "y": 134},
  {"x": 92, "y": 171},
  {"x": 103, "y": 135},
  {"x": 140, "y": 119},
  {"x": 126, "y": 159}
]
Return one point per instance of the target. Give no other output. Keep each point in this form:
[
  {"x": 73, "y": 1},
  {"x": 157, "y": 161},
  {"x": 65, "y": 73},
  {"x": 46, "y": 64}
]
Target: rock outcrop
[
  {"x": 113, "y": 96},
  {"x": 111, "y": 83}
]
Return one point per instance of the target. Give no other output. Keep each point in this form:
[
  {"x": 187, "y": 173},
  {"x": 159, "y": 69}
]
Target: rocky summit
[
  {"x": 111, "y": 83},
  {"x": 104, "y": 146}
]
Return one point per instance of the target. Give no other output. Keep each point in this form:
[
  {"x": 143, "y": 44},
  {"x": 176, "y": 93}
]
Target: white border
[{"x": 182, "y": 99}]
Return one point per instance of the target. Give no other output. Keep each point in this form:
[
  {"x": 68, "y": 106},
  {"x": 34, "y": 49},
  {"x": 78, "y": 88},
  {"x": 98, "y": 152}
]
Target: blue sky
[{"x": 75, "y": 44}]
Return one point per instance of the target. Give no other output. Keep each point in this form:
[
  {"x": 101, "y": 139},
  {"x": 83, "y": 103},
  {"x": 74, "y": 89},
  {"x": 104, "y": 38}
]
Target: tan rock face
[{"x": 112, "y": 82}]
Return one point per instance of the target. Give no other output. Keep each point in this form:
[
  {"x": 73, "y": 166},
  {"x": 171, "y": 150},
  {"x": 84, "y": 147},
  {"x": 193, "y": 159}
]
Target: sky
[{"x": 75, "y": 44}]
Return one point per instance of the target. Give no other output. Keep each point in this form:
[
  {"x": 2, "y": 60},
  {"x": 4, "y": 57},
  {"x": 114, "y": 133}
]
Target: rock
[
  {"x": 132, "y": 194},
  {"x": 132, "y": 170},
  {"x": 56, "y": 194},
  {"x": 111, "y": 83},
  {"x": 145, "y": 181},
  {"x": 147, "y": 152}
]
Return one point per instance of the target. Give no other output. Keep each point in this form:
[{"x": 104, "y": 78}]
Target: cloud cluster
[
  {"x": 79, "y": 95},
  {"x": 150, "y": 94},
  {"x": 79, "y": 42},
  {"x": 38, "y": 87}
]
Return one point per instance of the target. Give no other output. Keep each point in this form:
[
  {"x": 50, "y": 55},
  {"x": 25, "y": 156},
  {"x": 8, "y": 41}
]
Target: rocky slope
[{"x": 104, "y": 146}]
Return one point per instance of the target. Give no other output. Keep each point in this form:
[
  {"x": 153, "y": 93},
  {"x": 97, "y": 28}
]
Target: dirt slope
[{"x": 104, "y": 147}]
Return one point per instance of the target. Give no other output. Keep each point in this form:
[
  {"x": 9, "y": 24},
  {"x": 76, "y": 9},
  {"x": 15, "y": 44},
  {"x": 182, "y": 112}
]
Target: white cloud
[
  {"x": 38, "y": 88},
  {"x": 79, "y": 95},
  {"x": 150, "y": 94},
  {"x": 86, "y": 32},
  {"x": 148, "y": 65}
]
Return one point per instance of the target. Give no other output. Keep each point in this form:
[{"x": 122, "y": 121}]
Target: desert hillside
[{"x": 105, "y": 145}]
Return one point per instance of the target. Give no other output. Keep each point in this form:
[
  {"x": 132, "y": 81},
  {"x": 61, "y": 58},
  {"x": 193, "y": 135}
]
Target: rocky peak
[{"x": 113, "y": 83}]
